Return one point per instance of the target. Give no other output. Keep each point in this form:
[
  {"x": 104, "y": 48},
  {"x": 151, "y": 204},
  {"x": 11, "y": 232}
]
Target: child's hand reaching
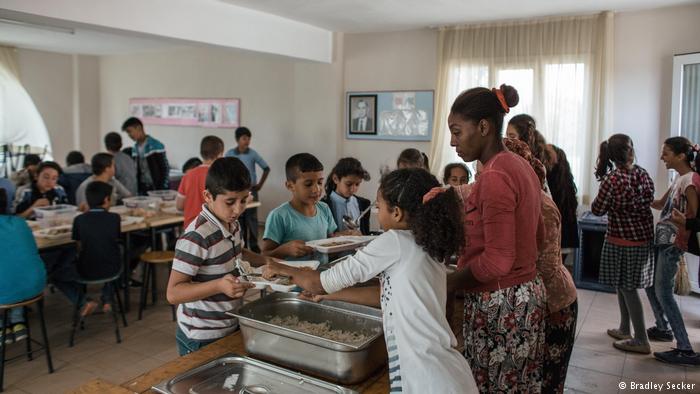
[
  {"x": 296, "y": 249},
  {"x": 678, "y": 218},
  {"x": 306, "y": 296},
  {"x": 272, "y": 269},
  {"x": 232, "y": 287}
]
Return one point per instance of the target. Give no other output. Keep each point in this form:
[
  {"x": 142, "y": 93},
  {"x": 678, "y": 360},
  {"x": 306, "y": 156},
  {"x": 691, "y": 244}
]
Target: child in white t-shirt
[{"x": 423, "y": 227}]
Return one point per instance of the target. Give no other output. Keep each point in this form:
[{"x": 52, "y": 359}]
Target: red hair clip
[{"x": 501, "y": 99}]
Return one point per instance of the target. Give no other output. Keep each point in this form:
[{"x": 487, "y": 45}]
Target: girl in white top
[{"x": 423, "y": 227}]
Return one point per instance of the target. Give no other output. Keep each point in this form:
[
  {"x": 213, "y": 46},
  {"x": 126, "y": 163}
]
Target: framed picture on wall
[
  {"x": 363, "y": 114},
  {"x": 199, "y": 112},
  {"x": 405, "y": 115}
]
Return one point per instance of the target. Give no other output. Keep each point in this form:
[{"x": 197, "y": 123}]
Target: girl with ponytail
[
  {"x": 422, "y": 226},
  {"x": 625, "y": 194},
  {"x": 671, "y": 241}
]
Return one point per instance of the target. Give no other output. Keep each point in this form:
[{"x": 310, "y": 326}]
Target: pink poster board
[{"x": 211, "y": 113}]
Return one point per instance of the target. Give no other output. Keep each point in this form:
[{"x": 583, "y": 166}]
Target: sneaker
[
  {"x": 20, "y": 331},
  {"x": 677, "y": 356},
  {"x": 618, "y": 334},
  {"x": 9, "y": 336},
  {"x": 632, "y": 345},
  {"x": 657, "y": 334}
]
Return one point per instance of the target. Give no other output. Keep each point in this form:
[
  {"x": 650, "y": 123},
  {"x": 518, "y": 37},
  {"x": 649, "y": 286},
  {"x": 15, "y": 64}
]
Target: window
[{"x": 553, "y": 93}]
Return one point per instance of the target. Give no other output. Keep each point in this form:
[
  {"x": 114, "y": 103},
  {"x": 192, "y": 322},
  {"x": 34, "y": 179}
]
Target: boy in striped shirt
[{"x": 203, "y": 279}]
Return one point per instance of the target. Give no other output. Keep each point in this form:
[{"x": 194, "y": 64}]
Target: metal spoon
[{"x": 354, "y": 224}]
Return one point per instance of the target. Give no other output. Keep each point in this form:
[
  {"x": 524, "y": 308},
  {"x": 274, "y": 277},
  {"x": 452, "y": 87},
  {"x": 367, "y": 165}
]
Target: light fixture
[{"x": 57, "y": 29}]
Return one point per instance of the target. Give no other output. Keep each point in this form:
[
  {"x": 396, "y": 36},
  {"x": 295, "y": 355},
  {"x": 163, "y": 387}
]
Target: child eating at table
[
  {"x": 203, "y": 278},
  {"x": 97, "y": 233},
  {"x": 341, "y": 188},
  {"x": 423, "y": 228},
  {"x": 304, "y": 218}
]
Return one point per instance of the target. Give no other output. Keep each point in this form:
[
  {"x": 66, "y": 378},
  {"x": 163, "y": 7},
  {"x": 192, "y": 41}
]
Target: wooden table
[
  {"x": 378, "y": 383},
  {"x": 99, "y": 386}
]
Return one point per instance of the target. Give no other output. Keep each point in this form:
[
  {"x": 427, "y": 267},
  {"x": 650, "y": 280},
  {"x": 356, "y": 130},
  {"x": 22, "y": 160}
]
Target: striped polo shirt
[{"x": 207, "y": 251}]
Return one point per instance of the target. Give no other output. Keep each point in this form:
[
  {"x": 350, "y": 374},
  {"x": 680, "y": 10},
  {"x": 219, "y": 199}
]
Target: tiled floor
[{"x": 596, "y": 367}]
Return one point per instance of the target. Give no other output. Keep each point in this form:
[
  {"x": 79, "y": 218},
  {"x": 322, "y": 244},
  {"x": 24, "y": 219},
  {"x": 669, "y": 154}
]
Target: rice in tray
[{"x": 322, "y": 330}]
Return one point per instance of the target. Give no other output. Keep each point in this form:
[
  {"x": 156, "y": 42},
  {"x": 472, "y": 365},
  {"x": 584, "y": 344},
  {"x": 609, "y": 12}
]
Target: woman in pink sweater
[{"x": 505, "y": 302}]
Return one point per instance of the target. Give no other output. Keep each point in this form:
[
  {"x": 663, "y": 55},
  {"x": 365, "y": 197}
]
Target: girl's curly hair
[{"x": 436, "y": 225}]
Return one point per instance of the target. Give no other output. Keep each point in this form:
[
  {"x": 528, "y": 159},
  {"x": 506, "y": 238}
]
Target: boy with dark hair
[
  {"x": 124, "y": 165},
  {"x": 192, "y": 185},
  {"x": 302, "y": 219},
  {"x": 27, "y": 174},
  {"x": 103, "y": 170},
  {"x": 202, "y": 281},
  {"x": 249, "y": 157},
  {"x": 149, "y": 153},
  {"x": 75, "y": 163},
  {"x": 97, "y": 234}
]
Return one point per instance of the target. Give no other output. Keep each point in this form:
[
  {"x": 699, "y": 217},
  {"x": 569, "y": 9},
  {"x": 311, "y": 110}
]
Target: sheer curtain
[
  {"x": 20, "y": 121},
  {"x": 561, "y": 68}
]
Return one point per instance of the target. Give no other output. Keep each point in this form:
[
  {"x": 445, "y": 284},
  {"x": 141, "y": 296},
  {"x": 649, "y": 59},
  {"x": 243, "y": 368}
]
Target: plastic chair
[
  {"x": 78, "y": 320},
  {"x": 150, "y": 259},
  {"x": 5, "y": 309}
]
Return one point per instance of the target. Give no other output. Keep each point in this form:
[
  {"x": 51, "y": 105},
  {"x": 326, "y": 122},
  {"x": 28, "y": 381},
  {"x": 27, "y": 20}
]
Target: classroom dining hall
[{"x": 333, "y": 196}]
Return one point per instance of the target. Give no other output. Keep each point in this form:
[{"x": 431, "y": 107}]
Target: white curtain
[
  {"x": 561, "y": 68},
  {"x": 20, "y": 121}
]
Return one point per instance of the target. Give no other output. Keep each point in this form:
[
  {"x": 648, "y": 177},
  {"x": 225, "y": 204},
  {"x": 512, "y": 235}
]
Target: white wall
[
  {"x": 49, "y": 79},
  {"x": 387, "y": 61},
  {"x": 645, "y": 43},
  {"x": 288, "y": 104}
]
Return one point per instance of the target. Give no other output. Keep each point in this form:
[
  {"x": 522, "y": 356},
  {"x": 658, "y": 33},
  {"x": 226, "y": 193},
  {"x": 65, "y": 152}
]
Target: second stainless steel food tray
[{"x": 340, "y": 362}]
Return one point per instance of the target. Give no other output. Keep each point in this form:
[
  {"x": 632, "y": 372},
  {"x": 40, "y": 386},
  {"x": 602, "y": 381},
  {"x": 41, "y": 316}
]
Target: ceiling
[
  {"x": 46, "y": 34},
  {"x": 360, "y": 16}
]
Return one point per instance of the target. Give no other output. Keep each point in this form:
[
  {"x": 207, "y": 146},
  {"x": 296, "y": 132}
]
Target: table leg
[{"x": 127, "y": 270}]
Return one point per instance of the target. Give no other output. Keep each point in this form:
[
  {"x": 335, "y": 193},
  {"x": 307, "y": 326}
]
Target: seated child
[
  {"x": 409, "y": 259},
  {"x": 456, "y": 174},
  {"x": 412, "y": 158},
  {"x": 202, "y": 280},
  {"x": 97, "y": 234},
  {"x": 22, "y": 273},
  {"x": 103, "y": 170},
  {"x": 304, "y": 218},
  {"x": 192, "y": 162},
  {"x": 190, "y": 197},
  {"x": 342, "y": 184}
]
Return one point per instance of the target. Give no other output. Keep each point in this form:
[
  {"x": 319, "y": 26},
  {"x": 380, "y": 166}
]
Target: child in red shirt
[{"x": 190, "y": 197}]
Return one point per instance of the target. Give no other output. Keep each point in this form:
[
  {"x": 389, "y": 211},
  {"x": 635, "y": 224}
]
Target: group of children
[
  {"x": 520, "y": 302},
  {"x": 637, "y": 256}
]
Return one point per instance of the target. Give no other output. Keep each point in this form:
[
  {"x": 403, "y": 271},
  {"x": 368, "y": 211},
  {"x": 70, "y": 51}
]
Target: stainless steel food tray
[
  {"x": 340, "y": 362},
  {"x": 245, "y": 376}
]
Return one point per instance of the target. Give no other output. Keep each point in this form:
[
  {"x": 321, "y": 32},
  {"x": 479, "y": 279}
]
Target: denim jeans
[
  {"x": 14, "y": 316},
  {"x": 186, "y": 345},
  {"x": 661, "y": 298}
]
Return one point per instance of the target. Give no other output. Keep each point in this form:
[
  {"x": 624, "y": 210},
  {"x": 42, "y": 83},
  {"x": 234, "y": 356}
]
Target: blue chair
[{"x": 5, "y": 309}]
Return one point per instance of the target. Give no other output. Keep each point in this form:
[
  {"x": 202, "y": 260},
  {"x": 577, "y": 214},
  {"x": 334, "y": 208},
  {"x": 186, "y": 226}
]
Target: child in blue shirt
[
  {"x": 250, "y": 157},
  {"x": 22, "y": 273},
  {"x": 304, "y": 218}
]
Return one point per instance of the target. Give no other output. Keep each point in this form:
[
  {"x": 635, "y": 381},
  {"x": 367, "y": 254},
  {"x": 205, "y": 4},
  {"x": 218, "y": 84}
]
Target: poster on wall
[
  {"x": 390, "y": 115},
  {"x": 211, "y": 113}
]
